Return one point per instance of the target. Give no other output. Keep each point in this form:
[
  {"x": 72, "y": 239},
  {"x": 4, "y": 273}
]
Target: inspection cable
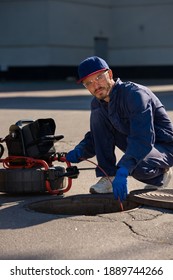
[{"x": 84, "y": 159}]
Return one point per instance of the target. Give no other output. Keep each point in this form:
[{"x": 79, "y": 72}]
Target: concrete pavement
[{"x": 141, "y": 233}]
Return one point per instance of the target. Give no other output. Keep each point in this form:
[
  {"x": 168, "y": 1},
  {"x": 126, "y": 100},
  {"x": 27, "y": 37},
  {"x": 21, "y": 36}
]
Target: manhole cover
[
  {"x": 88, "y": 205},
  {"x": 156, "y": 198}
]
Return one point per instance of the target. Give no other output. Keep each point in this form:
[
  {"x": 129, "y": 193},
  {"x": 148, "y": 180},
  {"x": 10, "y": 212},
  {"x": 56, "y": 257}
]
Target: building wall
[
  {"x": 41, "y": 33},
  {"x": 73, "y": 25},
  {"x": 24, "y": 33},
  {"x": 63, "y": 32},
  {"x": 145, "y": 35}
]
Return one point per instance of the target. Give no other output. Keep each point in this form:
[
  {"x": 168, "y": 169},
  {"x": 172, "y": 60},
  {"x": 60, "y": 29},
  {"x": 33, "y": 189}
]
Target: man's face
[{"x": 100, "y": 84}]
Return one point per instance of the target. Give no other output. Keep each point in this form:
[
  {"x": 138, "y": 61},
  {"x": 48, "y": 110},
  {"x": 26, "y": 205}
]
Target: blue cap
[{"x": 90, "y": 66}]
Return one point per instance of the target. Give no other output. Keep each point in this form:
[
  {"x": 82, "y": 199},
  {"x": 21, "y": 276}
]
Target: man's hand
[
  {"x": 74, "y": 156},
  {"x": 120, "y": 184}
]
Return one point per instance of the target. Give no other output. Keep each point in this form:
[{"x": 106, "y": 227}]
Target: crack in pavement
[{"x": 145, "y": 238}]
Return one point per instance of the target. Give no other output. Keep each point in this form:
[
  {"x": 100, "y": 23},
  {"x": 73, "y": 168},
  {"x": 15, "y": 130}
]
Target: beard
[{"x": 102, "y": 92}]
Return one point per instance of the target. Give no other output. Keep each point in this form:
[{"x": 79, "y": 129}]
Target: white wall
[
  {"x": 73, "y": 27},
  {"x": 23, "y": 32},
  {"x": 52, "y": 32},
  {"x": 145, "y": 33}
]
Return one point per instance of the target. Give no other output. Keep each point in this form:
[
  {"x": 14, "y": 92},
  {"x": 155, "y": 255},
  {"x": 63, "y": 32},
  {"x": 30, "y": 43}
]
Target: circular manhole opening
[
  {"x": 156, "y": 198},
  {"x": 89, "y": 205}
]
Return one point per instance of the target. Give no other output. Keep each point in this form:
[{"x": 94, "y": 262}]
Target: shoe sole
[
  {"x": 93, "y": 191},
  {"x": 151, "y": 188}
]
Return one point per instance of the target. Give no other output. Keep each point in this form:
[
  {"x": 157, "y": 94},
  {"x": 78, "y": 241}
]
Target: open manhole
[
  {"x": 87, "y": 204},
  {"x": 156, "y": 198}
]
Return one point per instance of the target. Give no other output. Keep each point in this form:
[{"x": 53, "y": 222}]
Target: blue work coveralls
[{"x": 135, "y": 121}]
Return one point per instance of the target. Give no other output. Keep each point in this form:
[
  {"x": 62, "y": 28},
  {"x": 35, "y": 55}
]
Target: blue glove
[
  {"x": 74, "y": 156},
  {"x": 119, "y": 184}
]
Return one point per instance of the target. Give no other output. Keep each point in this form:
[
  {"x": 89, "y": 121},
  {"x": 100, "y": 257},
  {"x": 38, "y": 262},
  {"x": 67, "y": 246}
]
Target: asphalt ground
[{"x": 143, "y": 233}]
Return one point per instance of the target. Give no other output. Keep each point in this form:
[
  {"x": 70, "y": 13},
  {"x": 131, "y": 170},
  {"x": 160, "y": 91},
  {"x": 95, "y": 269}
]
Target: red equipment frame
[{"x": 32, "y": 162}]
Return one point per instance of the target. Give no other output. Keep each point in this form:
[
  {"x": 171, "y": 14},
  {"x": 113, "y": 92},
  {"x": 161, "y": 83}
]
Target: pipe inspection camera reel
[{"x": 30, "y": 164}]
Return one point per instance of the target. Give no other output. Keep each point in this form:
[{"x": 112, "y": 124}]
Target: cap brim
[{"x": 80, "y": 80}]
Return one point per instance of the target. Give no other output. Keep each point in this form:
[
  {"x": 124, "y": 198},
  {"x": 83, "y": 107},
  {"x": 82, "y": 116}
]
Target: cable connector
[{"x": 72, "y": 172}]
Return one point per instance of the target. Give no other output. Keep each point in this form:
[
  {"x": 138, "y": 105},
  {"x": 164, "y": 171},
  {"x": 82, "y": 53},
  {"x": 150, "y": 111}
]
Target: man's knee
[{"x": 142, "y": 173}]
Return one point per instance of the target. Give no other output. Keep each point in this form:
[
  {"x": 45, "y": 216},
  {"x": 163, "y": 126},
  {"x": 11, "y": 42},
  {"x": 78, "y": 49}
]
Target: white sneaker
[
  {"x": 103, "y": 186},
  {"x": 166, "y": 180}
]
